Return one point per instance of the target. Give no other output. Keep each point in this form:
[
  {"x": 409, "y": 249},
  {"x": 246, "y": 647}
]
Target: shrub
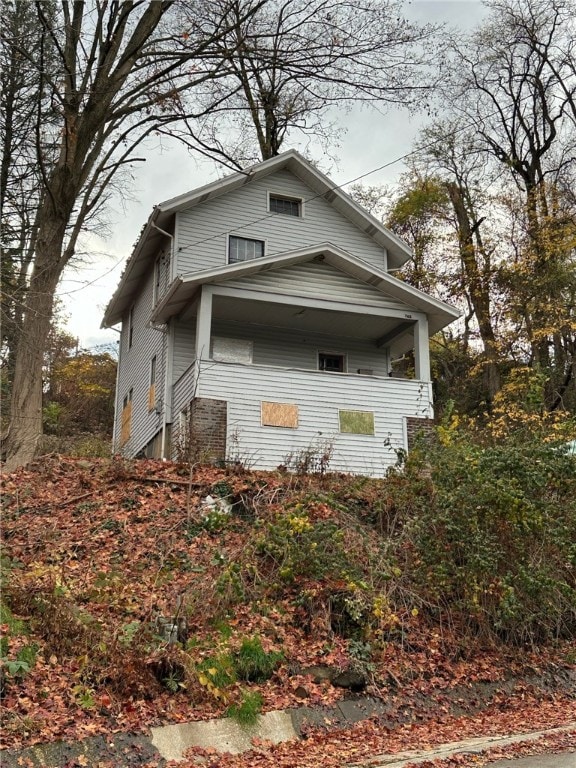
[
  {"x": 494, "y": 540},
  {"x": 296, "y": 548}
]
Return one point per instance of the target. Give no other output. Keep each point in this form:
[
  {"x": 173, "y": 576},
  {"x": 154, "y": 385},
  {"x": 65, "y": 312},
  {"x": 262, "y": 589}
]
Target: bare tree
[
  {"x": 20, "y": 179},
  {"x": 292, "y": 62},
  {"x": 121, "y": 70}
]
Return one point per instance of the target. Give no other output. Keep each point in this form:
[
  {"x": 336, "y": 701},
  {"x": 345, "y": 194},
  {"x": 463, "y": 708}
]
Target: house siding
[
  {"x": 318, "y": 280},
  {"x": 134, "y": 373},
  {"x": 202, "y": 232},
  {"x": 319, "y": 398},
  {"x": 184, "y": 347},
  {"x": 299, "y": 349}
]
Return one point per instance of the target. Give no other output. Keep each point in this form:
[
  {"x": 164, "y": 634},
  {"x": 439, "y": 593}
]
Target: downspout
[{"x": 168, "y": 340}]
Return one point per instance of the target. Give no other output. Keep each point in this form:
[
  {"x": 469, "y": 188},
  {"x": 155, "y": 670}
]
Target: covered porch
[{"x": 367, "y": 337}]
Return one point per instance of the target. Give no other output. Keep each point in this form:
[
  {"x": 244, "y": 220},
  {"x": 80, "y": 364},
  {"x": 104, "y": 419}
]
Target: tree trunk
[
  {"x": 478, "y": 291},
  {"x": 26, "y": 406}
]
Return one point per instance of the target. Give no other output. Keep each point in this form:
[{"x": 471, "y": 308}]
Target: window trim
[
  {"x": 288, "y": 198},
  {"x": 249, "y": 240},
  {"x": 328, "y": 353}
]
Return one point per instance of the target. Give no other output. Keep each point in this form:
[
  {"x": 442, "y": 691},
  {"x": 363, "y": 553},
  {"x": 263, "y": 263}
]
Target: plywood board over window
[
  {"x": 357, "y": 422},
  {"x": 232, "y": 350},
  {"x": 126, "y": 418},
  {"x": 279, "y": 415}
]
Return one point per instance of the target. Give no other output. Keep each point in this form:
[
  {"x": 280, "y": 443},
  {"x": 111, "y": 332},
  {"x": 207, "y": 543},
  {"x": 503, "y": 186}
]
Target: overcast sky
[{"x": 371, "y": 141}]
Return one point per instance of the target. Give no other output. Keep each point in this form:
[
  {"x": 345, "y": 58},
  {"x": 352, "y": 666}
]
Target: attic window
[
  {"x": 244, "y": 249},
  {"x": 289, "y": 206}
]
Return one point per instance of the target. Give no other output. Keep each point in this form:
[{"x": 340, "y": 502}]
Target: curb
[
  {"x": 169, "y": 742},
  {"x": 468, "y": 746}
]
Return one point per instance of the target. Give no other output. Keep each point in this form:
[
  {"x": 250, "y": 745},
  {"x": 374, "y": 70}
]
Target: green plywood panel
[{"x": 357, "y": 422}]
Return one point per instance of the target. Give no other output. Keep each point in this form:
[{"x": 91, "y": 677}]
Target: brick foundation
[
  {"x": 417, "y": 428},
  {"x": 208, "y": 423}
]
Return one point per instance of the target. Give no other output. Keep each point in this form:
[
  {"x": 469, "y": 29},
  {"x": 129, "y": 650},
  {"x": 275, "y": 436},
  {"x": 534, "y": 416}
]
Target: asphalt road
[{"x": 565, "y": 760}]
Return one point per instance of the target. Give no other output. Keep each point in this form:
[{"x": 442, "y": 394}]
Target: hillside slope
[{"x": 136, "y": 593}]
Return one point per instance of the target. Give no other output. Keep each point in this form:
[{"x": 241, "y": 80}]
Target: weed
[
  {"x": 247, "y": 712},
  {"x": 84, "y": 696},
  {"x": 252, "y": 663},
  {"x": 15, "y": 626},
  {"x": 315, "y": 459},
  {"x": 130, "y": 502},
  {"x": 128, "y": 632}
]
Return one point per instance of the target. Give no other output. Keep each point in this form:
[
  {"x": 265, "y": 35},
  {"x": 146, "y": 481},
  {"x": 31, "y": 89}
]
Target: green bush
[
  {"x": 297, "y": 548},
  {"x": 14, "y": 663},
  {"x": 494, "y": 538}
]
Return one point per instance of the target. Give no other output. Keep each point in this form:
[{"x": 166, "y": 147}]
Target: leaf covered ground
[{"x": 99, "y": 555}]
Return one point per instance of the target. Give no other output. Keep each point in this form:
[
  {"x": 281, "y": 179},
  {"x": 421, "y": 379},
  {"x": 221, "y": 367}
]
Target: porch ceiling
[{"x": 307, "y": 319}]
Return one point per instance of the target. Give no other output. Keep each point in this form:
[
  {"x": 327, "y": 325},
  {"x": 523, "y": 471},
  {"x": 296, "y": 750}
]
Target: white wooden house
[{"x": 260, "y": 318}]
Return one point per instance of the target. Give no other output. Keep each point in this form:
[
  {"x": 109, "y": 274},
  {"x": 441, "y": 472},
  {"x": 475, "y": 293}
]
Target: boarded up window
[
  {"x": 231, "y": 350},
  {"x": 152, "y": 387},
  {"x": 126, "y": 419},
  {"x": 280, "y": 415},
  {"x": 152, "y": 397},
  {"x": 357, "y": 422},
  {"x": 126, "y": 423}
]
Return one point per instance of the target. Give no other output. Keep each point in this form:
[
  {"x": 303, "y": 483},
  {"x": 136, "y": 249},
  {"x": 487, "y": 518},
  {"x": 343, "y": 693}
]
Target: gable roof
[
  {"x": 184, "y": 288},
  {"x": 160, "y": 219}
]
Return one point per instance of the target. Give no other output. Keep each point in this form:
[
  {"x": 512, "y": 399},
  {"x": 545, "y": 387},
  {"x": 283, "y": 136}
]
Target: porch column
[
  {"x": 422, "y": 350},
  {"x": 204, "y": 324}
]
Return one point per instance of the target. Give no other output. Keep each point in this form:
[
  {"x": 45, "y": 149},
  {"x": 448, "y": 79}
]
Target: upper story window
[
  {"x": 289, "y": 206},
  {"x": 244, "y": 249}
]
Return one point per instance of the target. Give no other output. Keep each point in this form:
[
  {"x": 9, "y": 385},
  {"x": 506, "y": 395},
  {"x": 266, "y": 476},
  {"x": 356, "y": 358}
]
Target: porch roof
[{"x": 185, "y": 288}]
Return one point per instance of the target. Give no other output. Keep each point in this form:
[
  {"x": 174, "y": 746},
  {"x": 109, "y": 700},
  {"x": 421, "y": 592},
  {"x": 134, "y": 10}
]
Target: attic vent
[
  {"x": 374, "y": 280},
  {"x": 371, "y": 230}
]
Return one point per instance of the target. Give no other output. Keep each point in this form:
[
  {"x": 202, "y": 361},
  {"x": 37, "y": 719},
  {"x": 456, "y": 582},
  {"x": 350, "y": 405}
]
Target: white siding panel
[
  {"x": 134, "y": 373},
  {"x": 184, "y": 347},
  {"x": 318, "y": 280},
  {"x": 319, "y": 398},
  {"x": 184, "y": 391},
  {"x": 202, "y": 232},
  {"x": 293, "y": 349}
]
